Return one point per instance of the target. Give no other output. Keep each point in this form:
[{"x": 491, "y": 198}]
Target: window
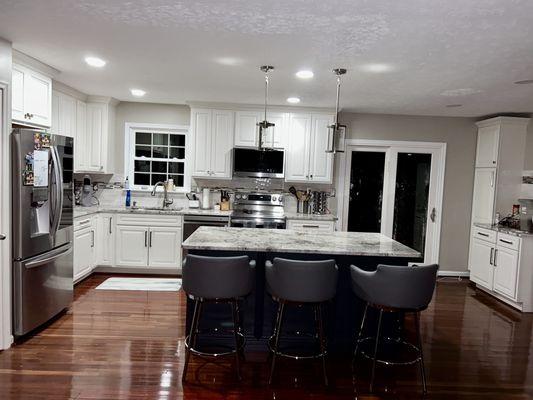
[{"x": 156, "y": 153}]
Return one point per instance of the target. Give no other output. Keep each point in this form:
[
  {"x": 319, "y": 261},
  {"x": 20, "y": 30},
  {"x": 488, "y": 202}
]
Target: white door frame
[
  {"x": 6, "y": 338},
  {"x": 391, "y": 148}
]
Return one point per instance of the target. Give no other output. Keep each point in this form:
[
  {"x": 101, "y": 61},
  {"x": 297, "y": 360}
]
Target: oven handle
[{"x": 257, "y": 221}]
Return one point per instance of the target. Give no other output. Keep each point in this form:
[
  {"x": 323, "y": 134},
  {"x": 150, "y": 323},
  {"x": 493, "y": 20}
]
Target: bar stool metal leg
[
  {"x": 360, "y": 333},
  {"x": 279, "y": 319},
  {"x": 322, "y": 341},
  {"x": 375, "y": 351},
  {"x": 191, "y": 339},
  {"x": 421, "y": 361},
  {"x": 236, "y": 336}
]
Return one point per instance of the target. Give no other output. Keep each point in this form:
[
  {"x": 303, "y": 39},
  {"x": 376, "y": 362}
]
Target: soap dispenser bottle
[{"x": 128, "y": 192}]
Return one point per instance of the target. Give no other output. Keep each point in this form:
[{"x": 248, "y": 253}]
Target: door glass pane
[
  {"x": 411, "y": 200},
  {"x": 366, "y": 191}
]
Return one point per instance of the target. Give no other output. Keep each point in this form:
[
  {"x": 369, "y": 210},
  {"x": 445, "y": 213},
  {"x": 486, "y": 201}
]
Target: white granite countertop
[
  {"x": 503, "y": 229},
  {"x": 287, "y": 241},
  {"x": 83, "y": 211}
]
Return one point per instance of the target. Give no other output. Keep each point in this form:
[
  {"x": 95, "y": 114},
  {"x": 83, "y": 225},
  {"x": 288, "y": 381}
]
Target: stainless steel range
[{"x": 258, "y": 210}]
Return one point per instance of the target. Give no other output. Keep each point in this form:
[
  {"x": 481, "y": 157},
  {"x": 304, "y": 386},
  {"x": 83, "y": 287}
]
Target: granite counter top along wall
[
  {"x": 503, "y": 229},
  {"x": 286, "y": 241}
]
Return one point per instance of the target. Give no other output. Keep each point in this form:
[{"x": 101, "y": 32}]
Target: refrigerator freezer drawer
[{"x": 42, "y": 288}]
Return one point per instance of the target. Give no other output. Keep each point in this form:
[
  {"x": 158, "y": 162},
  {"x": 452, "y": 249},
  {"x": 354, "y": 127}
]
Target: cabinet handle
[
  {"x": 506, "y": 241},
  {"x": 311, "y": 176},
  {"x": 310, "y": 226},
  {"x": 92, "y": 238},
  {"x": 492, "y": 179},
  {"x": 84, "y": 222},
  {"x": 150, "y": 240},
  {"x": 145, "y": 238},
  {"x": 491, "y": 255},
  {"x": 495, "y": 257},
  {"x": 110, "y": 219},
  {"x": 483, "y": 234}
]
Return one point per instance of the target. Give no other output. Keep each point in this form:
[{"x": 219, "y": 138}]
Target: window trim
[{"x": 129, "y": 151}]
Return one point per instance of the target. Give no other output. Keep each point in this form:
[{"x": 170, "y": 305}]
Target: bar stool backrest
[
  {"x": 217, "y": 277},
  {"x": 399, "y": 287},
  {"x": 302, "y": 281}
]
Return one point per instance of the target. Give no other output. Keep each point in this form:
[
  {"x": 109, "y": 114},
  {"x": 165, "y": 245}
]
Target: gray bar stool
[
  {"x": 397, "y": 289},
  {"x": 301, "y": 283},
  {"x": 218, "y": 280}
]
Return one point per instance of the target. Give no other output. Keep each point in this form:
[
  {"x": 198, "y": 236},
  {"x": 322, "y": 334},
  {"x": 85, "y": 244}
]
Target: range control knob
[
  {"x": 280, "y": 198},
  {"x": 274, "y": 198},
  {"x": 238, "y": 196},
  {"x": 244, "y": 197}
]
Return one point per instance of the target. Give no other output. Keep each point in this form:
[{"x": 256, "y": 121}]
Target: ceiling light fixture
[
  {"x": 137, "y": 92},
  {"x": 264, "y": 125},
  {"x": 376, "y": 68},
  {"x": 229, "y": 61},
  {"x": 524, "y": 82},
  {"x": 293, "y": 100},
  {"x": 95, "y": 62},
  {"x": 305, "y": 74},
  {"x": 337, "y": 137}
]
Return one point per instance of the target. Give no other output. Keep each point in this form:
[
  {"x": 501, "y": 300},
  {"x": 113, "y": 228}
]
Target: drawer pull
[
  {"x": 491, "y": 256},
  {"x": 483, "y": 234},
  {"x": 84, "y": 222},
  {"x": 506, "y": 241},
  {"x": 310, "y": 226}
]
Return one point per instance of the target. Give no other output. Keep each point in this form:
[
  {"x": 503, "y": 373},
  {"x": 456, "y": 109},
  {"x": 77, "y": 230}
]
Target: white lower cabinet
[
  {"x": 84, "y": 247},
  {"x": 164, "y": 247},
  {"x": 106, "y": 240},
  {"x": 132, "y": 246},
  {"x": 497, "y": 263}
]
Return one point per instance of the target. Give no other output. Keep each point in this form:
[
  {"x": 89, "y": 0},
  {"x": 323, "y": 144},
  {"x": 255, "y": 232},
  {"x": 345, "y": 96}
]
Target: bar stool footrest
[{"x": 397, "y": 345}]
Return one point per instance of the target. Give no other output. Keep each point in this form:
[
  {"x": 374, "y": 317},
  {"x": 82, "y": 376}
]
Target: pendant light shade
[
  {"x": 264, "y": 125},
  {"x": 337, "y": 131}
]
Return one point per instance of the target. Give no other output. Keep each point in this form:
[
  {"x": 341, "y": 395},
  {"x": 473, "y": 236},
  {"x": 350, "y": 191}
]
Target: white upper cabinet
[
  {"x": 80, "y": 140},
  {"x": 96, "y": 123},
  {"x": 484, "y": 189},
  {"x": 31, "y": 97},
  {"x": 488, "y": 140},
  {"x": 212, "y": 132},
  {"x": 306, "y": 158},
  {"x": 63, "y": 114},
  {"x": 247, "y": 131}
]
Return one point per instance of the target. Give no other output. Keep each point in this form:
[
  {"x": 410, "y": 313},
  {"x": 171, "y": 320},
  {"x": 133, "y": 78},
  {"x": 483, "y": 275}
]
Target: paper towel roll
[{"x": 206, "y": 198}]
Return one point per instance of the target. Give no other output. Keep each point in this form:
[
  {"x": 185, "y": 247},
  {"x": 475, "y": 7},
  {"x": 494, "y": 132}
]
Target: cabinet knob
[{"x": 2, "y": 237}]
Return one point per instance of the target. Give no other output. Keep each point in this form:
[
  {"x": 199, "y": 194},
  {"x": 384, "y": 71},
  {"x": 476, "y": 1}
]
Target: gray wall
[
  {"x": 460, "y": 136},
  {"x": 145, "y": 112}
]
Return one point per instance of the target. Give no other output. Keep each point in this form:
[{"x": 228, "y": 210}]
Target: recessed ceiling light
[
  {"x": 305, "y": 74},
  {"x": 95, "y": 62},
  {"x": 293, "y": 100},
  {"x": 137, "y": 92},
  {"x": 453, "y": 105},
  {"x": 229, "y": 61},
  {"x": 460, "y": 92},
  {"x": 376, "y": 68},
  {"x": 524, "y": 82}
]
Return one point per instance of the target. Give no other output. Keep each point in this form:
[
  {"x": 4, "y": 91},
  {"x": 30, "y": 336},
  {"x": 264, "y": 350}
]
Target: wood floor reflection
[{"x": 129, "y": 345}]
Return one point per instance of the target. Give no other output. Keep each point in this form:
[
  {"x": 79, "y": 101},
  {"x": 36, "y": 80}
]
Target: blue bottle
[{"x": 128, "y": 192}]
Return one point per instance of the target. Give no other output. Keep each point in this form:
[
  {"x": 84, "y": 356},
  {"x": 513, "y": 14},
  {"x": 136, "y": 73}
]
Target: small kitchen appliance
[{"x": 87, "y": 192}]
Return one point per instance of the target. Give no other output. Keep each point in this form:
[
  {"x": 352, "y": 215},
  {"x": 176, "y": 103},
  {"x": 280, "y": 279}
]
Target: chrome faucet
[{"x": 166, "y": 200}]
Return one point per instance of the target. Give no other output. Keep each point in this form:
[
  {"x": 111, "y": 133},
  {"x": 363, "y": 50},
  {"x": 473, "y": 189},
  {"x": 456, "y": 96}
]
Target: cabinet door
[
  {"x": 165, "y": 247},
  {"x": 83, "y": 252},
  {"x": 246, "y": 129},
  {"x": 488, "y": 139},
  {"x": 481, "y": 269},
  {"x": 38, "y": 98},
  {"x": 95, "y": 131},
  {"x": 106, "y": 240},
  {"x": 221, "y": 143},
  {"x": 484, "y": 192},
  {"x": 80, "y": 140},
  {"x": 67, "y": 116},
  {"x": 321, "y": 163},
  {"x": 299, "y": 146},
  {"x": 201, "y": 130},
  {"x": 505, "y": 272},
  {"x": 132, "y": 246},
  {"x": 17, "y": 93},
  {"x": 275, "y": 137},
  {"x": 55, "y": 113}
]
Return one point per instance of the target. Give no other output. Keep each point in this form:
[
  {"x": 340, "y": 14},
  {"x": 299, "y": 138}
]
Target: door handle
[
  {"x": 92, "y": 238},
  {"x": 150, "y": 240},
  {"x": 433, "y": 214},
  {"x": 492, "y": 179},
  {"x": 145, "y": 238},
  {"x": 54, "y": 256},
  {"x": 491, "y": 255},
  {"x": 110, "y": 219},
  {"x": 2, "y": 237}
]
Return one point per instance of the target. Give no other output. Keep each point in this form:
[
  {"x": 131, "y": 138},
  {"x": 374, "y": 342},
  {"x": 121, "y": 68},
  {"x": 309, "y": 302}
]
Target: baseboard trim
[{"x": 462, "y": 274}]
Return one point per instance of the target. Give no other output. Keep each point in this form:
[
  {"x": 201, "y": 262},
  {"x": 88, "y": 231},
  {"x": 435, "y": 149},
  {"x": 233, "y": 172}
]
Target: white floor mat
[{"x": 151, "y": 284}]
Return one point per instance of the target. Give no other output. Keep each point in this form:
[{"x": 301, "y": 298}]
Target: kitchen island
[{"x": 365, "y": 250}]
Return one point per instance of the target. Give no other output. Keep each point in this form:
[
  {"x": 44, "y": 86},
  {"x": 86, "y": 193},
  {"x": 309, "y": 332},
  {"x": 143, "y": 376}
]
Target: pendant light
[
  {"x": 337, "y": 131},
  {"x": 264, "y": 125}
]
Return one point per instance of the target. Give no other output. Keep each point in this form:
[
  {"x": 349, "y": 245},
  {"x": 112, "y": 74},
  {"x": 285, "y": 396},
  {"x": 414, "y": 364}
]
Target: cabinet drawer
[
  {"x": 83, "y": 222},
  {"x": 484, "y": 234},
  {"x": 149, "y": 220},
  {"x": 509, "y": 241},
  {"x": 310, "y": 225}
]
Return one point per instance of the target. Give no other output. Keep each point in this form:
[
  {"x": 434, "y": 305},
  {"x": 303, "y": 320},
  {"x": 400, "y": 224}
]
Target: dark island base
[{"x": 258, "y": 311}]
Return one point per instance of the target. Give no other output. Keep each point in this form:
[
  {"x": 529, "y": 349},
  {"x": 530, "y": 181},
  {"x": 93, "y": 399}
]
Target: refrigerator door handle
[
  {"x": 59, "y": 189},
  {"x": 41, "y": 260}
]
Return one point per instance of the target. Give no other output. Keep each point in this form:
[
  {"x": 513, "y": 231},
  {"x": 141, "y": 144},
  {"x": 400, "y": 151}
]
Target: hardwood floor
[{"x": 129, "y": 345}]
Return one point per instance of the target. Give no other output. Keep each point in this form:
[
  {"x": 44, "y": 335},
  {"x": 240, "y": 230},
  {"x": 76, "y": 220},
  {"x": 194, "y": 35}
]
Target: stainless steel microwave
[{"x": 252, "y": 163}]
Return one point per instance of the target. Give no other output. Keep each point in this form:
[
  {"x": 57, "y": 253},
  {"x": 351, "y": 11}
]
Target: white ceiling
[{"x": 440, "y": 52}]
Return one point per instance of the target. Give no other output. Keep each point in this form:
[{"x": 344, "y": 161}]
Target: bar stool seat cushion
[
  {"x": 301, "y": 281},
  {"x": 218, "y": 277}
]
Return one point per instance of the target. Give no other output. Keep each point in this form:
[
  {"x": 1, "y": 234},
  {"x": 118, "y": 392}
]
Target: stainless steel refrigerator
[{"x": 42, "y": 227}]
